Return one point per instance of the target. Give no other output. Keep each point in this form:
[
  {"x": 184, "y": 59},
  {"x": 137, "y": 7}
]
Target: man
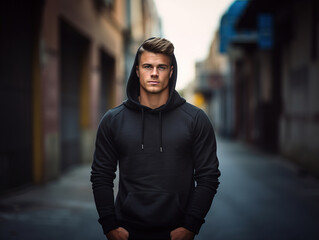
[{"x": 166, "y": 150}]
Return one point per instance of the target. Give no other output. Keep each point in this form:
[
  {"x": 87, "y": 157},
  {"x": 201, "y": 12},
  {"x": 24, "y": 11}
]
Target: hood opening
[
  {"x": 133, "y": 89},
  {"x": 132, "y": 102}
]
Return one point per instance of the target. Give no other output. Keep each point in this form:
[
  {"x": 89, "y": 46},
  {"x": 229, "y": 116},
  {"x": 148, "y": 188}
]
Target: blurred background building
[
  {"x": 63, "y": 64},
  {"x": 261, "y": 83},
  {"x": 212, "y": 75}
]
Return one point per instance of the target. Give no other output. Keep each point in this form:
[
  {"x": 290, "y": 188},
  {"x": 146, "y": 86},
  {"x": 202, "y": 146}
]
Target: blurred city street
[
  {"x": 251, "y": 65},
  {"x": 261, "y": 196}
]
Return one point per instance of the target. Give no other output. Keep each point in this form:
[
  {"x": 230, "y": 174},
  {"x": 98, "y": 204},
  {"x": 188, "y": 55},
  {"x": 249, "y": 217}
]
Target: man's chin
[{"x": 154, "y": 91}]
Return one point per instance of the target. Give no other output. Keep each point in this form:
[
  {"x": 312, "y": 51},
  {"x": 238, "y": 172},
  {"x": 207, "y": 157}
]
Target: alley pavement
[
  {"x": 261, "y": 196},
  {"x": 60, "y": 210}
]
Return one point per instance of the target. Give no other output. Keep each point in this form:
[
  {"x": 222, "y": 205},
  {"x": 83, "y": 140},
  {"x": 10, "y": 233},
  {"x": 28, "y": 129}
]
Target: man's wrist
[
  {"x": 118, "y": 234},
  {"x": 108, "y": 223},
  {"x": 193, "y": 224},
  {"x": 182, "y": 233}
]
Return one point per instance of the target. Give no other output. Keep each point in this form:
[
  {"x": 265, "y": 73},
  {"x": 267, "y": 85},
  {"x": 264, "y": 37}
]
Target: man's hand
[
  {"x": 118, "y": 234},
  {"x": 182, "y": 234}
]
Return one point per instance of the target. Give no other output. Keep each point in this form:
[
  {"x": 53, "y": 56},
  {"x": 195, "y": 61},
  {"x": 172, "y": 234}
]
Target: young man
[{"x": 166, "y": 150}]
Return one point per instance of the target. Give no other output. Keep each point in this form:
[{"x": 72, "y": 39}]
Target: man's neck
[{"x": 154, "y": 100}]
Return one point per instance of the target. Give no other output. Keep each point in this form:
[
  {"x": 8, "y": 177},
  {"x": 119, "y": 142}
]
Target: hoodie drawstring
[
  {"x": 142, "y": 142},
  {"x": 160, "y": 130}
]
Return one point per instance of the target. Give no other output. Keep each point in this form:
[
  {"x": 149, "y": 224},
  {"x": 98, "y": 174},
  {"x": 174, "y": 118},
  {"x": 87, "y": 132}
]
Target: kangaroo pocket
[{"x": 152, "y": 209}]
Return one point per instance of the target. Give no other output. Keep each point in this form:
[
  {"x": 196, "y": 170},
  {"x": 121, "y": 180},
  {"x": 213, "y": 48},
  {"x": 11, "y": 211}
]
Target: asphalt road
[{"x": 261, "y": 196}]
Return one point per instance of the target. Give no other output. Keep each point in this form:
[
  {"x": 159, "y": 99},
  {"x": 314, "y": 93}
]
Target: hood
[{"x": 133, "y": 89}]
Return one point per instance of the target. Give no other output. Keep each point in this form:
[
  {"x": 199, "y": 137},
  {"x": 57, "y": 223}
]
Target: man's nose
[{"x": 154, "y": 71}]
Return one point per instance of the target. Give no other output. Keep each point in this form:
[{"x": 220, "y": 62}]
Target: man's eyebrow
[{"x": 159, "y": 65}]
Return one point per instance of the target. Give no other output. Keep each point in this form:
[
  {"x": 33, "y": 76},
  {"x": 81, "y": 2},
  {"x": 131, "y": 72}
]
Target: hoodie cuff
[
  {"x": 193, "y": 224},
  {"x": 108, "y": 223}
]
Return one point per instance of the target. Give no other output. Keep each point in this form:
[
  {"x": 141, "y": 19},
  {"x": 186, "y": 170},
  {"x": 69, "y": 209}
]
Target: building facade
[
  {"x": 63, "y": 65},
  {"x": 286, "y": 64},
  {"x": 212, "y": 82},
  {"x": 221, "y": 77}
]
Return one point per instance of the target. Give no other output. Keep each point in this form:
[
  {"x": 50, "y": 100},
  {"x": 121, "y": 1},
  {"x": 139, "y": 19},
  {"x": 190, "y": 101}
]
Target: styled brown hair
[{"x": 156, "y": 45}]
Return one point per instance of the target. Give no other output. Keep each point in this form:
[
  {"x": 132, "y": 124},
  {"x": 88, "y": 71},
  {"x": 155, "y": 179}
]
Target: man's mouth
[{"x": 153, "y": 82}]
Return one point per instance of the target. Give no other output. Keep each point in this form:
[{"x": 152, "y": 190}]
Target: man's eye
[
  {"x": 147, "y": 66},
  {"x": 162, "y": 68}
]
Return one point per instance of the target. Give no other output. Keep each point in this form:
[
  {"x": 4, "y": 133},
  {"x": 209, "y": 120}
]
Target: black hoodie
[{"x": 168, "y": 169}]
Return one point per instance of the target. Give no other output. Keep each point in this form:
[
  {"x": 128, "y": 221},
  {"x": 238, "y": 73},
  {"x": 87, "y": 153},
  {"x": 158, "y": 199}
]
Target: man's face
[{"x": 154, "y": 71}]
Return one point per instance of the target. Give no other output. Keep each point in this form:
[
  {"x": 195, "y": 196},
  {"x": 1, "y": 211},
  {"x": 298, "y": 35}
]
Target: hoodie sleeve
[
  {"x": 103, "y": 174},
  {"x": 206, "y": 172}
]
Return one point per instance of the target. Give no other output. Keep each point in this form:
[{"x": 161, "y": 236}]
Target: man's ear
[
  {"x": 137, "y": 72},
  {"x": 171, "y": 72}
]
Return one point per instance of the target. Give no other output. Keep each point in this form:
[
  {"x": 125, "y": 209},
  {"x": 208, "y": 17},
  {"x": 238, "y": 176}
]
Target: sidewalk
[{"x": 62, "y": 209}]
